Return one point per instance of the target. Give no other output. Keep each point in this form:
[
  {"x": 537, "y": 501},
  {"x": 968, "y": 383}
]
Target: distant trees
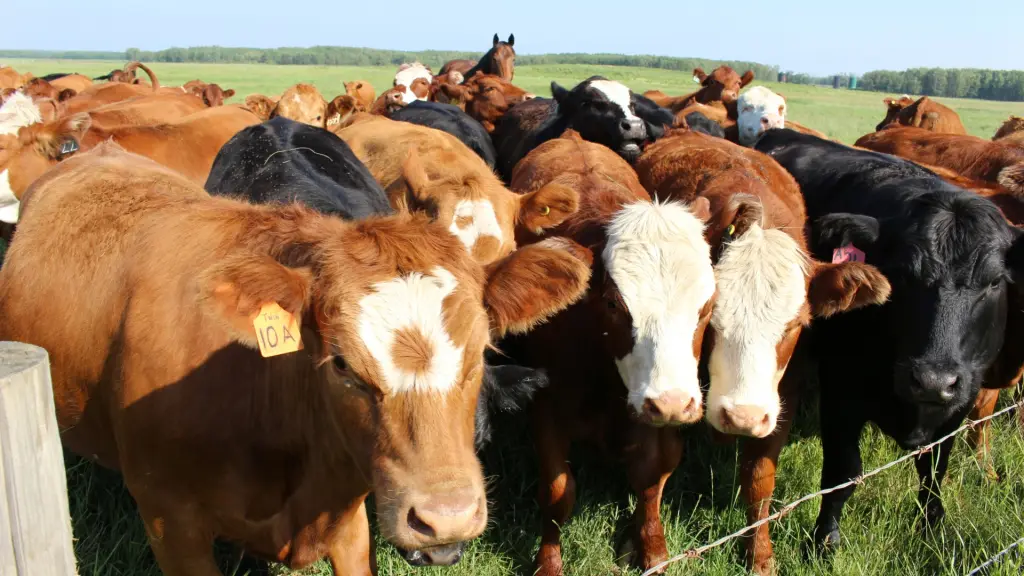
[{"x": 1005, "y": 85}]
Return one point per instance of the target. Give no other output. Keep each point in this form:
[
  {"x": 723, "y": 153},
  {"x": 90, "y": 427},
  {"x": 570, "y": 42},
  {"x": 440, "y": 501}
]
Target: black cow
[
  {"x": 450, "y": 119},
  {"x": 601, "y": 110},
  {"x": 701, "y": 123},
  {"x": 914, "y": 365}
]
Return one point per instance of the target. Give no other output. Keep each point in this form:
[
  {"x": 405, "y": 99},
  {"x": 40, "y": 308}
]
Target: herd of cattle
[{"x": 260, "y": 313}]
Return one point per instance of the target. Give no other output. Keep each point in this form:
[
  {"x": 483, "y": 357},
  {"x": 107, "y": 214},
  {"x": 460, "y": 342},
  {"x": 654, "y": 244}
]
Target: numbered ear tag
[
  {"x": 277, "y": 331},
  {"x": 847, "y": 253},
  {"x": 69, "y": 146}
]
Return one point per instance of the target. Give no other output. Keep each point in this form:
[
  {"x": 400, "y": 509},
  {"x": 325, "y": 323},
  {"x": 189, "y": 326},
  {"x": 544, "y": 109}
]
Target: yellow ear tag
[
  {"x": 730, "y": 230},
  {"x": 277, "y": 331},
  {"x": 545, "y": 210}
]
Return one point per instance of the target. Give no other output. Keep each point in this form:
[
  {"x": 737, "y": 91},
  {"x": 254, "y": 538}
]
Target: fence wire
[
  {"x": 996, "y": 558},
  {"x": 700, "y": 550}
]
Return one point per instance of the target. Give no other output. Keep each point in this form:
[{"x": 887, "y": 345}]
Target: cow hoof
[
  {"x": 549, "y": 563},
  {"x": 826, "y": 540},
  {"x": 765, "y": 567},
  {"x": 625, "y": 556},
  {"x": 933, "y": 514},
  {"x": 629, "y": 556}
]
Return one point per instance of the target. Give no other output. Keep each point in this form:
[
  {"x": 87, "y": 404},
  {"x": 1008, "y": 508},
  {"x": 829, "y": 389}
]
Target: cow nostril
[
  {"x": 418, "y": 525},
  {"x": 652, "y": 409},
  {"x": 626, "y": 125},
  {"x": 764, "y": 121}
]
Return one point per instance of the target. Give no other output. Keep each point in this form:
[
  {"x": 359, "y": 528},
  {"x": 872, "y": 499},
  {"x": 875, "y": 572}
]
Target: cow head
[
  {"x": 722, "y": 85},
  {"x": 31, "y": 151},
  {"x": 211, "y": 94},
  {"x": 768, "y": 290},
  {"x": 1013, "y": 125},
  {"x": 260, "y": 105},
  {"x": 759, "y": 109},
  {"x": 363, "y": 93},
  {"x": 39, "y": 89},
  {"x": 340, "y": 111},
  {"x": 416, "y": 78},
  {"x": 480, "y": 211},
  {"x": 395, "y": 321},
  {"x": 486, "y": 97},
  {"x": 893, "y": 107},
  {"x": 390, "y": 101},
  {"x": 604, "y": 111},
  {"x": 302, "y": 103},
  {"x": 503, "y": 57},
  {"x": 949, "y": 258}
]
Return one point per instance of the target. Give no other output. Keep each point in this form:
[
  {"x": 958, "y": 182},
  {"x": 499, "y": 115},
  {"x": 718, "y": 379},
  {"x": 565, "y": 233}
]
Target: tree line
[{"x": 1007, "y": 85}]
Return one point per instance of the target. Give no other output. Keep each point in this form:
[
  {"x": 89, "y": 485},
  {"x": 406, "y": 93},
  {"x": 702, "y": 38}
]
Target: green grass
[
  {"x": 842, "y": 114},
  {"x": 702, "y": 498}
]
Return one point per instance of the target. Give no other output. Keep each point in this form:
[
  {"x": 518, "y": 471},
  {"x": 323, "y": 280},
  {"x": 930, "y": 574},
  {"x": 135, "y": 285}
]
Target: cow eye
[
  {"x": 339, "y": 363},
  {"x": 611, "y": 304}
]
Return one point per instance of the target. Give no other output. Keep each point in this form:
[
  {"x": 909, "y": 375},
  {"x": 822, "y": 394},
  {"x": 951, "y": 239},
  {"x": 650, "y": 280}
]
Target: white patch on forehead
[
  {"x": 761, "y": 279},
  {"x": 406, "y": 76},
  {"x": 9, "y": 204},
  {"x": 754, "y": 105},
  {"x": 412, "y": 302},
  {"x": 657, "y": 256},
  {"x": 17, "y": 112},
  {"x": 481, "y": 221},
  {"x": 617, "y": 93}
]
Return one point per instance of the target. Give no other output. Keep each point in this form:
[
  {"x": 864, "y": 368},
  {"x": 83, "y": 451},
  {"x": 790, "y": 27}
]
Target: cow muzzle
[
  {"x": 673, "y": 408},
  {"x": 446, "y": 555}
]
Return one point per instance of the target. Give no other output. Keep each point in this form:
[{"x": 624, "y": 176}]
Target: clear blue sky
[{"x": 816, "y": 36}]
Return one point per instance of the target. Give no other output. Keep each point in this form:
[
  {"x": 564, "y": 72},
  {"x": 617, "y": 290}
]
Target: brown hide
[
  {"x": 363, "y": 93},
  {"x": 924, "y": 113},
  {"x": 486, "y": 98}
]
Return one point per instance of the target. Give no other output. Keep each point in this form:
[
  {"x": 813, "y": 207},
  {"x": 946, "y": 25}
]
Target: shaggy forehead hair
[
  {"x": 761, "y": 286},
  {"x": 17, "y": 112}
]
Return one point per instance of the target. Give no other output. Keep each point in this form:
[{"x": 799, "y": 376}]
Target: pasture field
[
  {"x": 842, "y": 114},
  {"x": 702, "y": 501}
]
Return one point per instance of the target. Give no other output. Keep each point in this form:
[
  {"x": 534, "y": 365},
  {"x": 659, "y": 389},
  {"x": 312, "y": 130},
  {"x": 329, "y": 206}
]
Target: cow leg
[
  {"x": 181, "y": 544},
  {"x": 759, "y": 459},
  {"x": 650, "y": 460},
  {"x": 352, "y": 551},
  {"x": 556, "y": 490},
  {"x": 931, "y": 468},
  {"x": 978, "y": 438},
  {"x": 841, "y": 463}
]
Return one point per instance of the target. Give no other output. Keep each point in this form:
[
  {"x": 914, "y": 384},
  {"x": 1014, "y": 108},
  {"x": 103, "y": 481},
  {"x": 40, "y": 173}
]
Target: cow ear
[
  {"x": 845, "y": 286},
  {"x": 66, "y": 94},
  {"x": 747, "y": 78},
  {"x": 63, "y": 137},
  {"x": 338, "y": 110},
  {"x": 841, "y": 228},
  {"x": 496, "y": 40},
  {"x": 457, "y": 92},
  {"x": 511, "y": 40},
  {"x": 534, "y": 283},
  {"x": 701, "y": 208},
  {"x": 558, "y": 93},
  {"x": 237, "y": 288},
  {"x": 547, "y": 207},
  {"x": 700, "y": 75},
  {"x": 229, "y": 93},
  {"x": 260, "y": 105},
  {"x": 746, "y": 210}
]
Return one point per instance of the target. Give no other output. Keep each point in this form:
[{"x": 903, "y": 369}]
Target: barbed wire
[
  {"x": 700, "y": 550},
  {"x": 996, "y": 558}
]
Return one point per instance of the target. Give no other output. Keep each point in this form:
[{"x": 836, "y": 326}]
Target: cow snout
[
  {"x": 729, "y": 96},
  {"x": 633, "y": 128},
  {"x": 671, "y": 409},
  {"x": 747, "y": 420},
  {"x": 445, "y": 518},
  {"x": 934, "y": 385},
  {"x": 437, "y": 556}
]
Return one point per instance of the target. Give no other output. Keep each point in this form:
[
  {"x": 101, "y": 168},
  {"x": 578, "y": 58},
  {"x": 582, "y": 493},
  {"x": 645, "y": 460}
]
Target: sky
[{"x": 814, "y": 36}]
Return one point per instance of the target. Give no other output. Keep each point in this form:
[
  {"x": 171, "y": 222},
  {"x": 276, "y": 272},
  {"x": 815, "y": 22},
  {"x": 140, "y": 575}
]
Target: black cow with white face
[
  {"x": 601, "y": 110},
  {"x": 914, "y": 365}
]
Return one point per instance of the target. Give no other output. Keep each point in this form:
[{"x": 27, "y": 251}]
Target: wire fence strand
[
  {"x": 996, "y": 558},
  {"x": 700, "y": 550}
]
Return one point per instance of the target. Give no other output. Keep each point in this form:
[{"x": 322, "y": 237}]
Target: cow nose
[
  {"x": 671, "y": 409},
  {"x": 765, "y": 122},
  {"x": 747, "y": 420},
  {"x": 934, "y": 385},
  {"x": 436, "y": 556},
  {"x": 447, "y": 518}
]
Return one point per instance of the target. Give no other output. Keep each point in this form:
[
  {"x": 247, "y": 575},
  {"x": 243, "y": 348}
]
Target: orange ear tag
[{"x": 277, "y": 331}]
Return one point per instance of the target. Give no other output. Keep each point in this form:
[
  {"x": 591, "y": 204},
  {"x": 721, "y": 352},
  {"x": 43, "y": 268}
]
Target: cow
[
  {"x": 768, "y": 290},
  {"x": 340, "y": 112},
  {"x": 416, "y": 78},
  {"x": 914, "y": 365},
  {"x": 211, "y": 94},
  {"x": 146, "y": 110},
  {"x": 163, "y": 371},
  {"x": 9, "y": 78},
  {"x": 423, "y": 169},
  {"x": 924, "y": 113},
  {"x": 302, "y": 103},
  {"x": 1011, "y": 131},
  {"x": 698, "y": 122},
  {"x": 363, "y": 92},
  {"x": 622, "y": 363},
  {"x": 995, "y": 162},
  {"x": 758, "y": 109},
  {"x": 75, "y": 82},
  {"x": 452, "y": 120},
  {"x": 500, "y": 60},
  {"x": 102, "y": 94},
  {"x": 260, "y": 105},
  {"x": 436, "y": 91},
  {"x": 389, "y": 101},
  {"x": 41, "y": 89},
  {"x": 486, "y": 98},
  {"x": 722, "y": 86},
  {"x": 36, "y": 148},
  {"x": 600, "y": 110}
]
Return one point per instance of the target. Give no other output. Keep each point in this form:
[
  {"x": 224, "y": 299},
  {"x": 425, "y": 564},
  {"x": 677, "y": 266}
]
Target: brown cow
[
  {"x": 158, "y": 372},
  {"x": 340, "y": 112},
  {"x": 9, "y": 78},
  {"x": 211, "y": 94},
  {"x": 723, "y": 86},
  {"x": 260, "y": 105},
  {"x": 146, "y": 110},
  {"x": 425, "y": 169},
  {"x": 924, "y": 113},
  {"x": 768, "y": 290},
  {"x": 1011, "y": 131},
  {"x": 127, "y": 75},
  {"x": 623, "y": 362},
  {"x": 40, "y": 89},
  {"x": 302, "y": 103},
  {"x": 76, "y": 82},
  {"x": 363, "y": 92},
  {"x": 486, "y": 98},
  {"x": 994, "y": 162},
  {"x": 416, "y": 78},
  {"x": 390, "y": 100}
]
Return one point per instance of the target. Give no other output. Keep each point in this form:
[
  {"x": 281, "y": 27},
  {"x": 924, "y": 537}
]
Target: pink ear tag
[{"x": 847, "y": 253}]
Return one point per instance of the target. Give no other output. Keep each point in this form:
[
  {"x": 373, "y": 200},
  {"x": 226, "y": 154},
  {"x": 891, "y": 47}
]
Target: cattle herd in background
[{"x": 642, "y": 262}]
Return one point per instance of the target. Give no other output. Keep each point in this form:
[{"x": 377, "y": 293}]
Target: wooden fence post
[{"x": 35, "y": 524}]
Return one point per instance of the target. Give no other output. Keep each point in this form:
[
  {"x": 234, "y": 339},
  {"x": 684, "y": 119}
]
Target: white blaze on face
[
  {"x": 759, "y": 109},
  {"x": 657, "y": 256},
  {"x": 473, "y": 219},
  {"x": 761, "y": 288},
  {"x": 412, "y": 303},
  {"x": 8, "y": 201},
  {"x": 405, "y": 77},
  {"x": 17, "y": 112},
  {"x": 617, "y": 93}
]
